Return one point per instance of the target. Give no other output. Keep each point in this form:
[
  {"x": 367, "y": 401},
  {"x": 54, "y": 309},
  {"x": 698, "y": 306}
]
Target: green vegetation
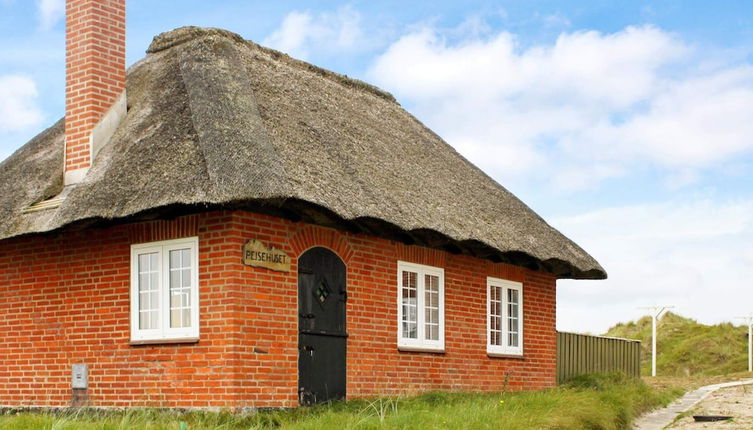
[
  {"x": 608, "y": 401},
  {"x": 687, "y": 348}
]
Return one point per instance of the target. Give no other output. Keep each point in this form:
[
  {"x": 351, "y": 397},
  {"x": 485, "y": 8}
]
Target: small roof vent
[{"x": 44, "y": 205}]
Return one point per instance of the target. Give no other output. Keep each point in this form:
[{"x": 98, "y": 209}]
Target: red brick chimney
[{"x": 95, "y": 80}]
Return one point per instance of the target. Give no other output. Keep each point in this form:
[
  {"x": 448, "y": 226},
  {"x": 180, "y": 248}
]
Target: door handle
[
  {"x": 308, "y": 316},
  {"x": 309, "y": 349}
]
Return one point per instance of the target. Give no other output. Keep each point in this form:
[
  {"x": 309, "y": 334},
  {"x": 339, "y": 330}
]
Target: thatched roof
[{"x": 218, "y": 122}]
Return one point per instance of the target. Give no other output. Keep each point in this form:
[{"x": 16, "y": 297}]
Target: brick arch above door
[{"x": 311, "y": 236}]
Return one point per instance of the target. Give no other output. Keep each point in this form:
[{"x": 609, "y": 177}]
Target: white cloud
[
  {"x": 693, "y": 254},
  {"x": 18, "y": 106},
  {"x": 695, "y": 121},
  {"x": 50, "y": 12},
  {"x": 585, "y": 108},
  {"x": 302, "y": 33}
]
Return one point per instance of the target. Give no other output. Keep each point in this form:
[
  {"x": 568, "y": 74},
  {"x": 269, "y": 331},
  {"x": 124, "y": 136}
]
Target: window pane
[
  {"x": 144, "y": 302},
  {"x": 495, "y": 315},
  {"x": 175, "y": 317},
  {"x": 410, "y": 330},
  {"x": 433, "y": 333},
  {"x": 154, "y": 300},
  {"x": 185, "y": 278},
  {"x": 180, "y": 288},
  {"x": 180, "y": 317},
  {"x": 186, "y": 258},
  {"x": 175, "y": 258},
  {"x": 432, "y": 329},
  {"x": 174, "y": 280},
  {"x": 431, "y": 307},
  {"x": 145, "y": 320},
  {"x": 148, "y": 320},
  {"x": 143, "y": 263},
  {"x": 513, "y": 338},
  {"x": 432, "y": 283},
  {"x": 148, "y": 287},
  {"x": 409, "y": 296},
  {"x": 177, "y": 300},
  {"x": 153, "y": 319}
]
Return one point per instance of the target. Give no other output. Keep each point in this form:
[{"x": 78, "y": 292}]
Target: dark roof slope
[{"x": 216, "y": 121}]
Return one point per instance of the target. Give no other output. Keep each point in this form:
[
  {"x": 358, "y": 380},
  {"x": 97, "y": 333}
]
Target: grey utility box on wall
[{"x": 80, "y": 377}]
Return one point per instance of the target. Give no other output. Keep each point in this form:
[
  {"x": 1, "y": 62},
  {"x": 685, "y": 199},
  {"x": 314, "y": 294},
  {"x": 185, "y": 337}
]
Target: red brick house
[{"x": 225, "y": 226}]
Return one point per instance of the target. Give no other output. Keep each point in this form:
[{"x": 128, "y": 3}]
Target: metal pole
[
  {"x": 655, "y": 314},
  {"x": 750, "y": 347},
  {"x": 653, "y": 346}
]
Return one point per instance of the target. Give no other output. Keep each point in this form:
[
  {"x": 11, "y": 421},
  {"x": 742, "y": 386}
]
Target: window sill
[
  {"x": 406, "y": 348},
  {"x": 504, "y": 355},
  {"x": 163, "y": 341}
]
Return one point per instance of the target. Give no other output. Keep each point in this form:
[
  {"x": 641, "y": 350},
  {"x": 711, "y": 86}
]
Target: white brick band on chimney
[{"x": 99, "y": 137}]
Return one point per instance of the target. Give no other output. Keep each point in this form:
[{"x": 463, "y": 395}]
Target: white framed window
[
  {"x": 165, "y": 291},
  {"x": 420, "y": 307},
  {"x": 504, "y": 317}
]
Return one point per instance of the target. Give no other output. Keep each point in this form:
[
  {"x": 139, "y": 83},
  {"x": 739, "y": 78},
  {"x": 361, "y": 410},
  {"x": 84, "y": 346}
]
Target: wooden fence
[{"x": 580, "y": 353}]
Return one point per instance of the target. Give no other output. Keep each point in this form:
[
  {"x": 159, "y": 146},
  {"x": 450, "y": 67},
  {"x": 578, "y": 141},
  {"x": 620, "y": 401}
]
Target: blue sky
[{"x": 628, "y": 125}]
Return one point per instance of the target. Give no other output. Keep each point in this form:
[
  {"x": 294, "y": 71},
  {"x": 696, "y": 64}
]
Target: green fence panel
[{"x": 582, "y": 353}]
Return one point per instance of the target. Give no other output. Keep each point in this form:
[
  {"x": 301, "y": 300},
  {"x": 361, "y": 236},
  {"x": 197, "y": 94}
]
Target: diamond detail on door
[{"x": 322, "y": 292}]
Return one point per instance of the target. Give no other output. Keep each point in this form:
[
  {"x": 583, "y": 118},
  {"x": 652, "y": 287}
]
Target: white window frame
[
  {"x": 505, "y": 349},
  {"x": 420, "y": 343},
  {"x": 164, "y": 333}
]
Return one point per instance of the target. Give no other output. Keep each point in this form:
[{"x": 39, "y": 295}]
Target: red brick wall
[
  {"x": 95, "y": 71},
  {"x": 66, "y": 300}
]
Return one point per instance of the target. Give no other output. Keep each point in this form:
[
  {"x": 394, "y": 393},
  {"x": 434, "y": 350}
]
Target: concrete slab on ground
[{"x": 661, "y": 418}]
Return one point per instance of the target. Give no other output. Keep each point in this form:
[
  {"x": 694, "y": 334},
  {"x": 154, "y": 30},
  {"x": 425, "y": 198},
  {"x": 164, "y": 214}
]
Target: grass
[
  {"x": 609, "y": 401},
  {"x": 688, "y": 348}
]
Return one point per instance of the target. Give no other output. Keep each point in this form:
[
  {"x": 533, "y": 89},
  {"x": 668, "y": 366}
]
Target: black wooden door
[{"x": 322, "y": 337}]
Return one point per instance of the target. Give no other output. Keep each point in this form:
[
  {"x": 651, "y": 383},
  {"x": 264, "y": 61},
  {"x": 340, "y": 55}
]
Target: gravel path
[
  {"x": 734, "y": 401},
  {"x": 742, "y": 402}
]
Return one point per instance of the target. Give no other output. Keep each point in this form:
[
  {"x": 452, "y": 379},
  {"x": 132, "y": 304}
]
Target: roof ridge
[
  {"x": 337, "y": 77},
  {"x": 181, "y": 35}
]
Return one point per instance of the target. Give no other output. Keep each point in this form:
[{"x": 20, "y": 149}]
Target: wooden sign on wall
[{"x": 256, "y": 254}]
